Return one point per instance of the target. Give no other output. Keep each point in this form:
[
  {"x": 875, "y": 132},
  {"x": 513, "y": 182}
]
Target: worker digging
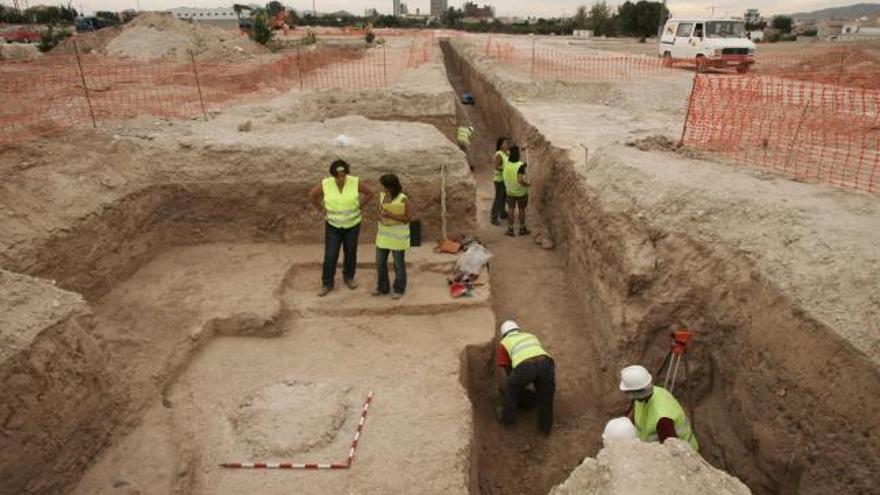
[{"x": 525, "y": 362}]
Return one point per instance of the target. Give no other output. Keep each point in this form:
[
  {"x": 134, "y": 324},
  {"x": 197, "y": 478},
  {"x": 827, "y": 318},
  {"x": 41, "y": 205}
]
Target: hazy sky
[{"x": 502, "y": 7}]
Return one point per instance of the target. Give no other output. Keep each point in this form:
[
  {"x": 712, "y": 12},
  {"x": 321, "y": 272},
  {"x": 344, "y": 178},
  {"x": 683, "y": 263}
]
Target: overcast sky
[{"x": 502, "y": 7}]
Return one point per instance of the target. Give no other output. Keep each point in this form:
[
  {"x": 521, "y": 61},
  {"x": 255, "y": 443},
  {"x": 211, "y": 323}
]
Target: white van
[{"x": 707, "y": 43}]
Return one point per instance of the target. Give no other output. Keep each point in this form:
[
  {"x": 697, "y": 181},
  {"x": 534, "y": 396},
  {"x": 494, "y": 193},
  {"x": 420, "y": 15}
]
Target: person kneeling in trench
[
  {"x": 526, "y": 362},
  {"x": 340, "y": 198},
  {"x": 655, "y": 412}
]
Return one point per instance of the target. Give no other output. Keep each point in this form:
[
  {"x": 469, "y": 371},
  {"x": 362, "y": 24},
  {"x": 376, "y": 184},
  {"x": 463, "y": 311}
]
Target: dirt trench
[{"x": 778, "y": 399}]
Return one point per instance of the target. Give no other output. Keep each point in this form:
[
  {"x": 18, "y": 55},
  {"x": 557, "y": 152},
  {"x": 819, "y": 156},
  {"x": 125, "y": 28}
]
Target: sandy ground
[{"x": 292, "y": 390}]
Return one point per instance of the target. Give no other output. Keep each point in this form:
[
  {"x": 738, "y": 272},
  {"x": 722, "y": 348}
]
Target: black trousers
[
  {"x": 335, "y": 238},
  {"x": 543, "y": 374},
  {"x": 499, "y": 205}
]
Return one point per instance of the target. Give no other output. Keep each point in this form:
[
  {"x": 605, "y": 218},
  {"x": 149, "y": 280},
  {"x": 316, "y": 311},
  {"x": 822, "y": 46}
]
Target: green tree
[
  {"x": 783, "y": 23},
  {"x": 600, "y": 19},
  {"x": 274, "y": 7},
  {"x": 580, "y": 19},
  {"x": 262, "y": 33},
  {"x": 641, "y": 19}
]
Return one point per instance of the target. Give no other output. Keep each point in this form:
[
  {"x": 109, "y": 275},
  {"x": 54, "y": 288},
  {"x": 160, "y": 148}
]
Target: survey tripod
[{"x": 674, "y": 358}]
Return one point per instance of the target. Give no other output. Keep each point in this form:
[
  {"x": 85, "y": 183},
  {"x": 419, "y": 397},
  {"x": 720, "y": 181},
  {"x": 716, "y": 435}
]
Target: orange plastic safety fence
[
  {"x": 823, "y": 132},
  {"x": 48, "y": 95}
]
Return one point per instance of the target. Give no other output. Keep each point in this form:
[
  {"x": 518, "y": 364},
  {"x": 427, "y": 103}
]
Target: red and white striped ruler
[{"x": 291, "y": 465}]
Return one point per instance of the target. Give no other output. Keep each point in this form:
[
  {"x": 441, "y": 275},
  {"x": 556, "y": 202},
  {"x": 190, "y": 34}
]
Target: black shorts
[{"x": 522, "y": 201}]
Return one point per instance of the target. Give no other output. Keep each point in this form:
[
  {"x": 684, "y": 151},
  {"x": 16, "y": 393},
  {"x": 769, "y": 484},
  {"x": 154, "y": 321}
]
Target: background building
[
  {"x": 438, "y": 7},
  {"x": 222, "y": 17}
]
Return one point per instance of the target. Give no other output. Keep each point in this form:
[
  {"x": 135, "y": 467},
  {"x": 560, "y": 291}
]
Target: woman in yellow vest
[
  {"x": 517, "y": 189},
  {"x": 340, "y": 198},
  {"x": 498, "y": 160},
  {"x": 392, "y": 236},
  {"x": 656, "y": 414}
]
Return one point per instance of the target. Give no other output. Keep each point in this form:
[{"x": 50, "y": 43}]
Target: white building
[{"x": 221, "y": 17}]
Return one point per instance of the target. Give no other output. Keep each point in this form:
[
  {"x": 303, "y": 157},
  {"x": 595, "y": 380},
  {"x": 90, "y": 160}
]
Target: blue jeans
[
  {"x": 334, "y": 238},
  {"x": 399, "y": 270},
  {"x": 499, "y": 205}
]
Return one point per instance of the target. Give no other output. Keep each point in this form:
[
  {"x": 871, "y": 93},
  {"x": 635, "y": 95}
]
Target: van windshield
[{"x": 725, "y": 29}]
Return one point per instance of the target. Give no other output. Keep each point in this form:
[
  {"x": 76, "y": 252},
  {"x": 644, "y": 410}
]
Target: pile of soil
[{"x": 155, "y": 35}]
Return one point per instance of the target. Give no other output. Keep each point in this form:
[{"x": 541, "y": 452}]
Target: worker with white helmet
[
  {"x": 526, "y": 362},
  {"x": 657, "y": 415}
]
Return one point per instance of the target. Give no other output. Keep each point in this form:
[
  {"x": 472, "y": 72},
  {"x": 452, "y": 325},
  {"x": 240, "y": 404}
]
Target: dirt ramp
[{"x": 58, "y": 403}]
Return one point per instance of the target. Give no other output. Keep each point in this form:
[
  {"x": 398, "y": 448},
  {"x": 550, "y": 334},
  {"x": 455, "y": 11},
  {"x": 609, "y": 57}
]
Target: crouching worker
[
  {"x": 656, "y": 413},
  {"x": 526, "y": 362}
]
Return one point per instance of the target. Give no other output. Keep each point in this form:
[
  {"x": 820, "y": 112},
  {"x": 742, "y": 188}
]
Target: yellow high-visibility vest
[
  {"x": 498, "y": 175},
  {"x": 464, "y": 135},
  {"x": 521, "y": 346},
  {"x": 662, "y": 405},
  {"x": 392, "y": 234},
  {"x": 343, "y": 207},
  {"x": 511, "y": 180}
]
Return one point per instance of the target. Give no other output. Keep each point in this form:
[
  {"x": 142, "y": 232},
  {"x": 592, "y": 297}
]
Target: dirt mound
[
  {"x": 656, "y": 142},
  {"x": 638, "y": 467},
  {"x": 18, "y": 52},
  {"x": 155, "y": 35}
]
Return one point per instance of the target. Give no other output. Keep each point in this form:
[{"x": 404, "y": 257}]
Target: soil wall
[
  {"x": 92, "y": 220},
  {"x": 779, "y": 398},
  {"x": 58, "y": 403}
]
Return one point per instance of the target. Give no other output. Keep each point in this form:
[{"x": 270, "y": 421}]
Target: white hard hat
[
  {"x": 508, "y": 326},
  {"x": 634, "y": 378},
  {"x": 619, "y": 429},
  {"x": 471, "y": 128}
]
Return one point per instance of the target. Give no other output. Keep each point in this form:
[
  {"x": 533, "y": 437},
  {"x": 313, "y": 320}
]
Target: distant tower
[{"x": 396, "y": 8}]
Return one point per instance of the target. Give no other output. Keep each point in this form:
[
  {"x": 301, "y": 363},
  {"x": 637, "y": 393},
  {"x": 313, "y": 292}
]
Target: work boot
[
  {"x": 510, "y": 232},
  {"x": 524, "y": 230},
  {"x": 351, "y": 284},
  {"x": 377, "y": 292},
  {"x": 396, "y": 295},
  {"x": 324, "y": 291}
]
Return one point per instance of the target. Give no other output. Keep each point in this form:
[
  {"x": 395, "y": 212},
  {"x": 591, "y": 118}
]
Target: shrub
[
  {"x": 369, "y": 37},
  {"x": 50, "y": 38}
]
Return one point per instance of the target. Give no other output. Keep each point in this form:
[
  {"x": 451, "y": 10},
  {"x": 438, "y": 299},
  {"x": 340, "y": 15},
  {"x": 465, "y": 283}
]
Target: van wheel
[
  {"x": 702, "y": 64},
  {"x": 667, "y": 59},
  {"x": 742, "y": 69}
]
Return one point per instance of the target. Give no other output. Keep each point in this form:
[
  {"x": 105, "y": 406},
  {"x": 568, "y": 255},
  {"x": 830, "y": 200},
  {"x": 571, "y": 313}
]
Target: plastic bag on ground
[{"x": 473, "y": 260}]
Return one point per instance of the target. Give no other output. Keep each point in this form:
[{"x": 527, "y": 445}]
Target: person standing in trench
[{"x": 340, "y": 199}]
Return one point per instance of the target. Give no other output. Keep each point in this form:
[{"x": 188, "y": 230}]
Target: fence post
[
  {"x": 687, "y": 114},
  {"x": 85, "y": 88},
  {"x": 794, "y": 140},
  {"x": 532, "y": 66},
  {"x": 384, "y": 69},
  {"x": 192, "y": 57},
  {"x": 299, "y": 67}
]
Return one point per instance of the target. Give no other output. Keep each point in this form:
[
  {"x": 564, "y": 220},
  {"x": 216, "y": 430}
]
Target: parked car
[
  {"x": 707, "y": 43},
  {"x": 21, "y": 36}
]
